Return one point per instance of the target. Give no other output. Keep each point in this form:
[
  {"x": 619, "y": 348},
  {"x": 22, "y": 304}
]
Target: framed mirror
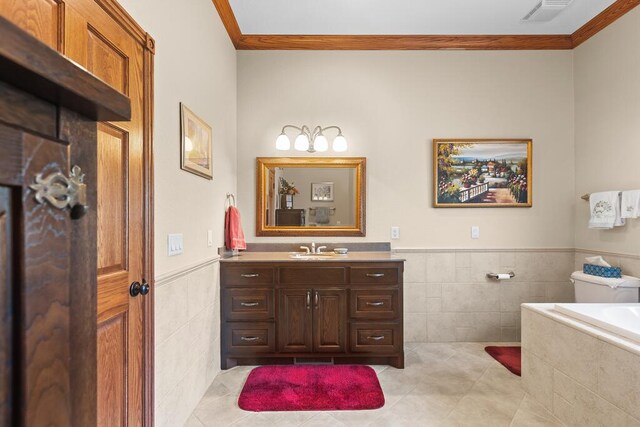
[{"x": 302, "y": 196}]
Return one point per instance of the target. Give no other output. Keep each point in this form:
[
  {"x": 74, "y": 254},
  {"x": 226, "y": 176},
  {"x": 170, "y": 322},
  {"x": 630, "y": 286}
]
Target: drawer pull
[
  {"x": 375, "y": 275},
  {"x": 375, "y": 304},
  {"x": 250, "y": 276},
  {"x": 250, "y": 338},
  {"x": 376, "y": 338},
  {"x": 249, "y": 304}
]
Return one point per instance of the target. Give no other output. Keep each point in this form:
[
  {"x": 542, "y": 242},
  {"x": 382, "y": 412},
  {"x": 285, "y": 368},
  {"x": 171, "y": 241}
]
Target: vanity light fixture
[{"x": 311, "y": 141}]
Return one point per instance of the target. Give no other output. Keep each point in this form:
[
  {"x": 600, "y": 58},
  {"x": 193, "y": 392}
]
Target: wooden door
[
  {"x": 295, "y": 321},
  {"x": 329, "y": 320},
  {"x": 98, "y": 43}
]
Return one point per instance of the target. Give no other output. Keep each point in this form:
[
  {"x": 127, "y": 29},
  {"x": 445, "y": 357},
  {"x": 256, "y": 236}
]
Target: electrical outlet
[
  {"x": 209, "y": 238},
  {"x": 175, "y": 244},
  {"x": 475, "y": 232},
  {"x": 395, "y": 232}
]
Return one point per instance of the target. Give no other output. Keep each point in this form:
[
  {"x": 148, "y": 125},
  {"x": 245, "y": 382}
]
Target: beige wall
[
  {"x": 390, "y": 106},
  {"x": 607, "y": 99},
  {"x": 196, "y": 64}
]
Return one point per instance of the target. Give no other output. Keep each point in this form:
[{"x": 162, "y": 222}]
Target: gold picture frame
[
  {"x": 196, "y": 144},
  {"x": 482, "y": 173}
]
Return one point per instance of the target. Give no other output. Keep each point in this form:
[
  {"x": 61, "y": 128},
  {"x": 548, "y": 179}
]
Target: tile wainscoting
[
  {"x": 187, "y": 339},
  {"x": 448, "y": 298}
]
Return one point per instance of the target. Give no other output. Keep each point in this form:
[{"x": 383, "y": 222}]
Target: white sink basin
[{"x": 302, "y": 255}]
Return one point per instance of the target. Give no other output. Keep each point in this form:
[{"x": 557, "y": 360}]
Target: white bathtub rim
[
  {"x": 573, "y": 310},
  {"x": 547, "y": 310}
]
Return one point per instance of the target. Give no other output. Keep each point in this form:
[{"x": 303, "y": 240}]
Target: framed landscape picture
[
  {"x": 322, "y": 191},
  {"x": 195, "y": 144},
  {"x": 482, "y": 173}
]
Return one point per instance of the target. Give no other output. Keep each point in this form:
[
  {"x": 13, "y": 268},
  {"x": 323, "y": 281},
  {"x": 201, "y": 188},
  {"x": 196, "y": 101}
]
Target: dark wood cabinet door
[
  {"x": 295, "y": 321},
  {"x": 329, "y": 320},
  {"x": 38, "y": 247}
]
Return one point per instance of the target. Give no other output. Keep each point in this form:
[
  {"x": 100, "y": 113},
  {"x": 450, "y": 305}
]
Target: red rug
[
  {"x": 311, "y": 388},
  {"x": 509, "y": 357}
]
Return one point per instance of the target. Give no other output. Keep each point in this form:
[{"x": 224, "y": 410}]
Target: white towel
[
  {"x": 322, "y": 215},
  {"x": 605, "y": 210},
  {"x": 631, "y": 204}
]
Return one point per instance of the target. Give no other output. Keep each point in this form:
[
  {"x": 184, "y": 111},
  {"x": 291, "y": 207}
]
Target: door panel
[
  {"x": 43, "y": 19},
  {"x": 295, "y": 323},
  {"x": 113, "y": 172},
  {"x": 108, "y": 51},
  {"x": 112, "y": 372},
  {"x": 330, "y": 320}
]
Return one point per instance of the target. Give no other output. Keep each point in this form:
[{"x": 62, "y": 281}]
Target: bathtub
[{"x": 620, "y": 319}]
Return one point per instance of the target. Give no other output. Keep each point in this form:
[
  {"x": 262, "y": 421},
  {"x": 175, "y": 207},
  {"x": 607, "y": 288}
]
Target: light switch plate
[
  {"x": 395, "y": 232},
  {"x": 475, "y": 232},
  {"x": 175, "y": 244},
  {"x": 209, "y": 238}
]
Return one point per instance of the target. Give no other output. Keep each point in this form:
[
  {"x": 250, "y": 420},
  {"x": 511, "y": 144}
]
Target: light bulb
[
  {"x": 321, "y": 143},
  {"x": 340, "y": 143},
  {"x": 283, "y": 143},
  {"x": 301, "y": 143},
  {"x": 188, "y": 144}
]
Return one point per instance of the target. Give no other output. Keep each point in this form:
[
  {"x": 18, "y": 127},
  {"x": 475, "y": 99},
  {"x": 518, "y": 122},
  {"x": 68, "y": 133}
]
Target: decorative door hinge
[{"x": 62, "y": 192}]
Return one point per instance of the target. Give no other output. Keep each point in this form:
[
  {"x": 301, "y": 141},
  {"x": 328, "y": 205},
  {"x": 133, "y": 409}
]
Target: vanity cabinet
[{"x": 296, "y": 311}]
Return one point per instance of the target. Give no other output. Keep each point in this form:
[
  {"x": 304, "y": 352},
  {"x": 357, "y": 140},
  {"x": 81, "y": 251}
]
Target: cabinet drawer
[
  {"x": 247, "y": 276},
  {"x": 374, "y": 275},
  {"x": 313, "y": 275},
  {"x": 374, "y": 304},
  {"x": 249, "y": 338},
  {"x": 376, "y": 337},
  {"x": 249, "y": 304}
]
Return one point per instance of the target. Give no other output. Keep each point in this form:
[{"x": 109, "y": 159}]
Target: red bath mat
[
  {"x": 509, "y": 357},
  {"x": 311, "y": 388}
]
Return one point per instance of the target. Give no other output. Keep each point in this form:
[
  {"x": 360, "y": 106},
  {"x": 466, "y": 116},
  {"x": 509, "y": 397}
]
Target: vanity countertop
[{"x": 285, "y": 257}]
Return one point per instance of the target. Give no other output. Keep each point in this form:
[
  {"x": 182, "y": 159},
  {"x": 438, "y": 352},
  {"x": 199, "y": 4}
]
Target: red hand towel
[{"x": 233, "y": 235}]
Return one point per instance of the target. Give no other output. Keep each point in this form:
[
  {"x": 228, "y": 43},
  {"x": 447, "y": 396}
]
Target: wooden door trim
[{"x": 419, "y": 42}]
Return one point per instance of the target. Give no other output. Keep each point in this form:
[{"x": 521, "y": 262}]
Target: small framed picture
[
  {"x": 195, "y": 144},
  {"x": 322, "y": 191}
]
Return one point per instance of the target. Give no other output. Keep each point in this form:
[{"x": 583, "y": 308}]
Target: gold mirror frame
[{"x": 263, "y": 164}]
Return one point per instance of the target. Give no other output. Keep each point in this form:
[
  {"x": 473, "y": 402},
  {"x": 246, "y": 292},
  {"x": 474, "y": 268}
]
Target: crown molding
[
  {"x": 228, "y": 20},
  {"x": 602, "y": 20},
  {"x": 419, "y": 42},
  {"x": 410, "y": 42}
]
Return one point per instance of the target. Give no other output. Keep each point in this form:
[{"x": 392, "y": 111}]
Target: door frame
[{"x": 122, "y": 18}]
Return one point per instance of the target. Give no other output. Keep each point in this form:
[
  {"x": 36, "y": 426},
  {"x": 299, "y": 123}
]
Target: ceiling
[
  {"x": 411, "y": 24},
  {"x": 416, "y": 17}
]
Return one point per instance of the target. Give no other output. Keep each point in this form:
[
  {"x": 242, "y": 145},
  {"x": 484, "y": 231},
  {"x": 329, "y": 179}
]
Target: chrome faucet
[{"x": 313, "y": 249}]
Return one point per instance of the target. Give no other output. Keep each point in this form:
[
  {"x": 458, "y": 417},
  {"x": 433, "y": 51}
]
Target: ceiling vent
[{"x": 546, "y": 10}]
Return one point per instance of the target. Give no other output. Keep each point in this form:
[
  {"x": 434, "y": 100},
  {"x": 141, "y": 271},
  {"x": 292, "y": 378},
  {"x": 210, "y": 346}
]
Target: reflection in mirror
[{"x": 310, "y": 196}]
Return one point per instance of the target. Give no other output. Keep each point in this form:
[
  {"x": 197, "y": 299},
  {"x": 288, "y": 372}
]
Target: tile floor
[{"x": 453, "y": 384}]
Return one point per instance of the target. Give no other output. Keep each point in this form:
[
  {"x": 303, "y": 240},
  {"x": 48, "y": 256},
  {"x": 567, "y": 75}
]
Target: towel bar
[{"x": 496, "y": 275}]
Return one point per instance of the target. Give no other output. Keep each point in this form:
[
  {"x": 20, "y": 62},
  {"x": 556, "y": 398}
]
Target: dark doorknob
[
  {"x": 137, "y": 288},
  {"x": 144, "y": 287}
]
